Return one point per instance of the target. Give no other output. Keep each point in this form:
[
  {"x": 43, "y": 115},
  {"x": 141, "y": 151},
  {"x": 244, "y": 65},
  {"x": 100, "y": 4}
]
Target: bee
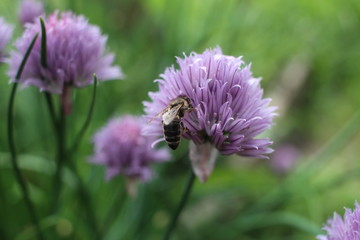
[{"x": 171, "y": 120}]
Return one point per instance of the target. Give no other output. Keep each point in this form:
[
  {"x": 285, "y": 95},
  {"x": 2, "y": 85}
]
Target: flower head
[
  {"x": 5, "y": 35},
  {"x": 29, "y": 10},
  {"x": 229, "y": 107},
  {"x": 75, "y": 51},
  {"x": 347, "y": 228},
  {"x": 124, "y": 151}
]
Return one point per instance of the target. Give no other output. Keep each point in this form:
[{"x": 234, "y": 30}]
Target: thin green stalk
[
  {"x": 26, "y": 56},
  {"x": 86, "y": 124},
  {"x": 60, "y": 158},
  {"x": 145, "y": 209},
  {"x": 59, "y": 126},
  {"x": 50, "y": 105},
  {"x": 114, "y": 209},
  {"x": 14, "y": 161},
  {"x": 15, "y": 165},
  {"x": 43, "y": 61},
  {"x": 182, "y": 203},
  {"x": 82, "y": 191},
  {"x": 87, "y": 205},
  {"x": 43, "y": 44},
  {"x": 63, "y": 155}
]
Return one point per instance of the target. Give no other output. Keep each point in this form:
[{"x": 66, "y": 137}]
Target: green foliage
[{"x": 307, "y": 53}]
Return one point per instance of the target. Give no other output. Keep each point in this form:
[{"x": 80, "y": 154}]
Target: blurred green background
[{"x": 307, "y": 53}]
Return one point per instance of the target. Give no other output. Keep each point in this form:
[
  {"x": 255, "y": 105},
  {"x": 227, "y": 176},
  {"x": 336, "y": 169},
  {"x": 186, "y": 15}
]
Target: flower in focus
[
  {"x": 5, "y": 35},
  {"x": 30, "y": 10},
  {"x": 124, "y": 151},
  {"x": 230, "y": 110},
  {"x": 284, "y": 158},
  {"x": 75, "y": 51},
  {"x": 347, "y": 228}
]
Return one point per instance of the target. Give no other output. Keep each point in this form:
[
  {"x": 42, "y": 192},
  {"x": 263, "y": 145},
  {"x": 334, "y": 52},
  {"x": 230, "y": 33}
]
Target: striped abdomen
[{"x": 172, "y": 133}]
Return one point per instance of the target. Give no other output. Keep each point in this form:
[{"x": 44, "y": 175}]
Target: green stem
[
  {"x": 15, "y": 165},
  {"x": 43, "y": 59},
  {"x": 182, "y": 203},
  {"x": 86, "y": 124},
  {"x": 50, "y": 105},
  {"x": 114, "y": 209},
  {"x": 82, "y": 191},
  {"x": 59, "y": 125},
  {"x": 14, "y": 162},
  {"x": 87, "y": 205},
  {"x": 59, "y": 159}
]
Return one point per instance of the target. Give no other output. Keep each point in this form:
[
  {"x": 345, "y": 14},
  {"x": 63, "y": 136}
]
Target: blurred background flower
[
  {"x": 30, "y": 10},
  {"x": 75, "y": 51},
  {"x": 5, "y": 36},
  {"x": 284, "y": 158},
  {"x": 121, "y": 148}
]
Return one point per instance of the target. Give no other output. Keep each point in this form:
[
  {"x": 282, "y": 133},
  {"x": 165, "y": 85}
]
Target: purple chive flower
[
  {"x": 30, "y": 10},
  {"x": 347, "y": 228},
  {"x": 230, "y": 108},
  {"x": 284, "y": 158},
  {"x": 124, "y": 151},
  {"x": 5, "y": 36},
  {"x": 75, "y": 51}
]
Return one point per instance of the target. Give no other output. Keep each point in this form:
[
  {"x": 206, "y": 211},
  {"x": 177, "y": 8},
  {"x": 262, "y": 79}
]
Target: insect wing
[
  {"x": 158, "y": 115},
  {"x": 171, "y": 114}
]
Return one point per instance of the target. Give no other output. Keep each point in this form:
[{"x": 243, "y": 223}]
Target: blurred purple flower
[
  {"x": 75, "y": 51},
  {"x": 347, "y": 228},
  {"x": 284, "y": 158},
  {"x": 5, "y": 36},
  {"x": 29, "y": 10},
  {"x": 230, "y": 109},
  {"x": 124, "y": 151}
]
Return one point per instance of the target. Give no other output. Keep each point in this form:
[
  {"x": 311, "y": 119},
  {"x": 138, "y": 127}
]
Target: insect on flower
[
  {"x": 231, "y": 110},
  {"x": 171, "y": 119}
]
